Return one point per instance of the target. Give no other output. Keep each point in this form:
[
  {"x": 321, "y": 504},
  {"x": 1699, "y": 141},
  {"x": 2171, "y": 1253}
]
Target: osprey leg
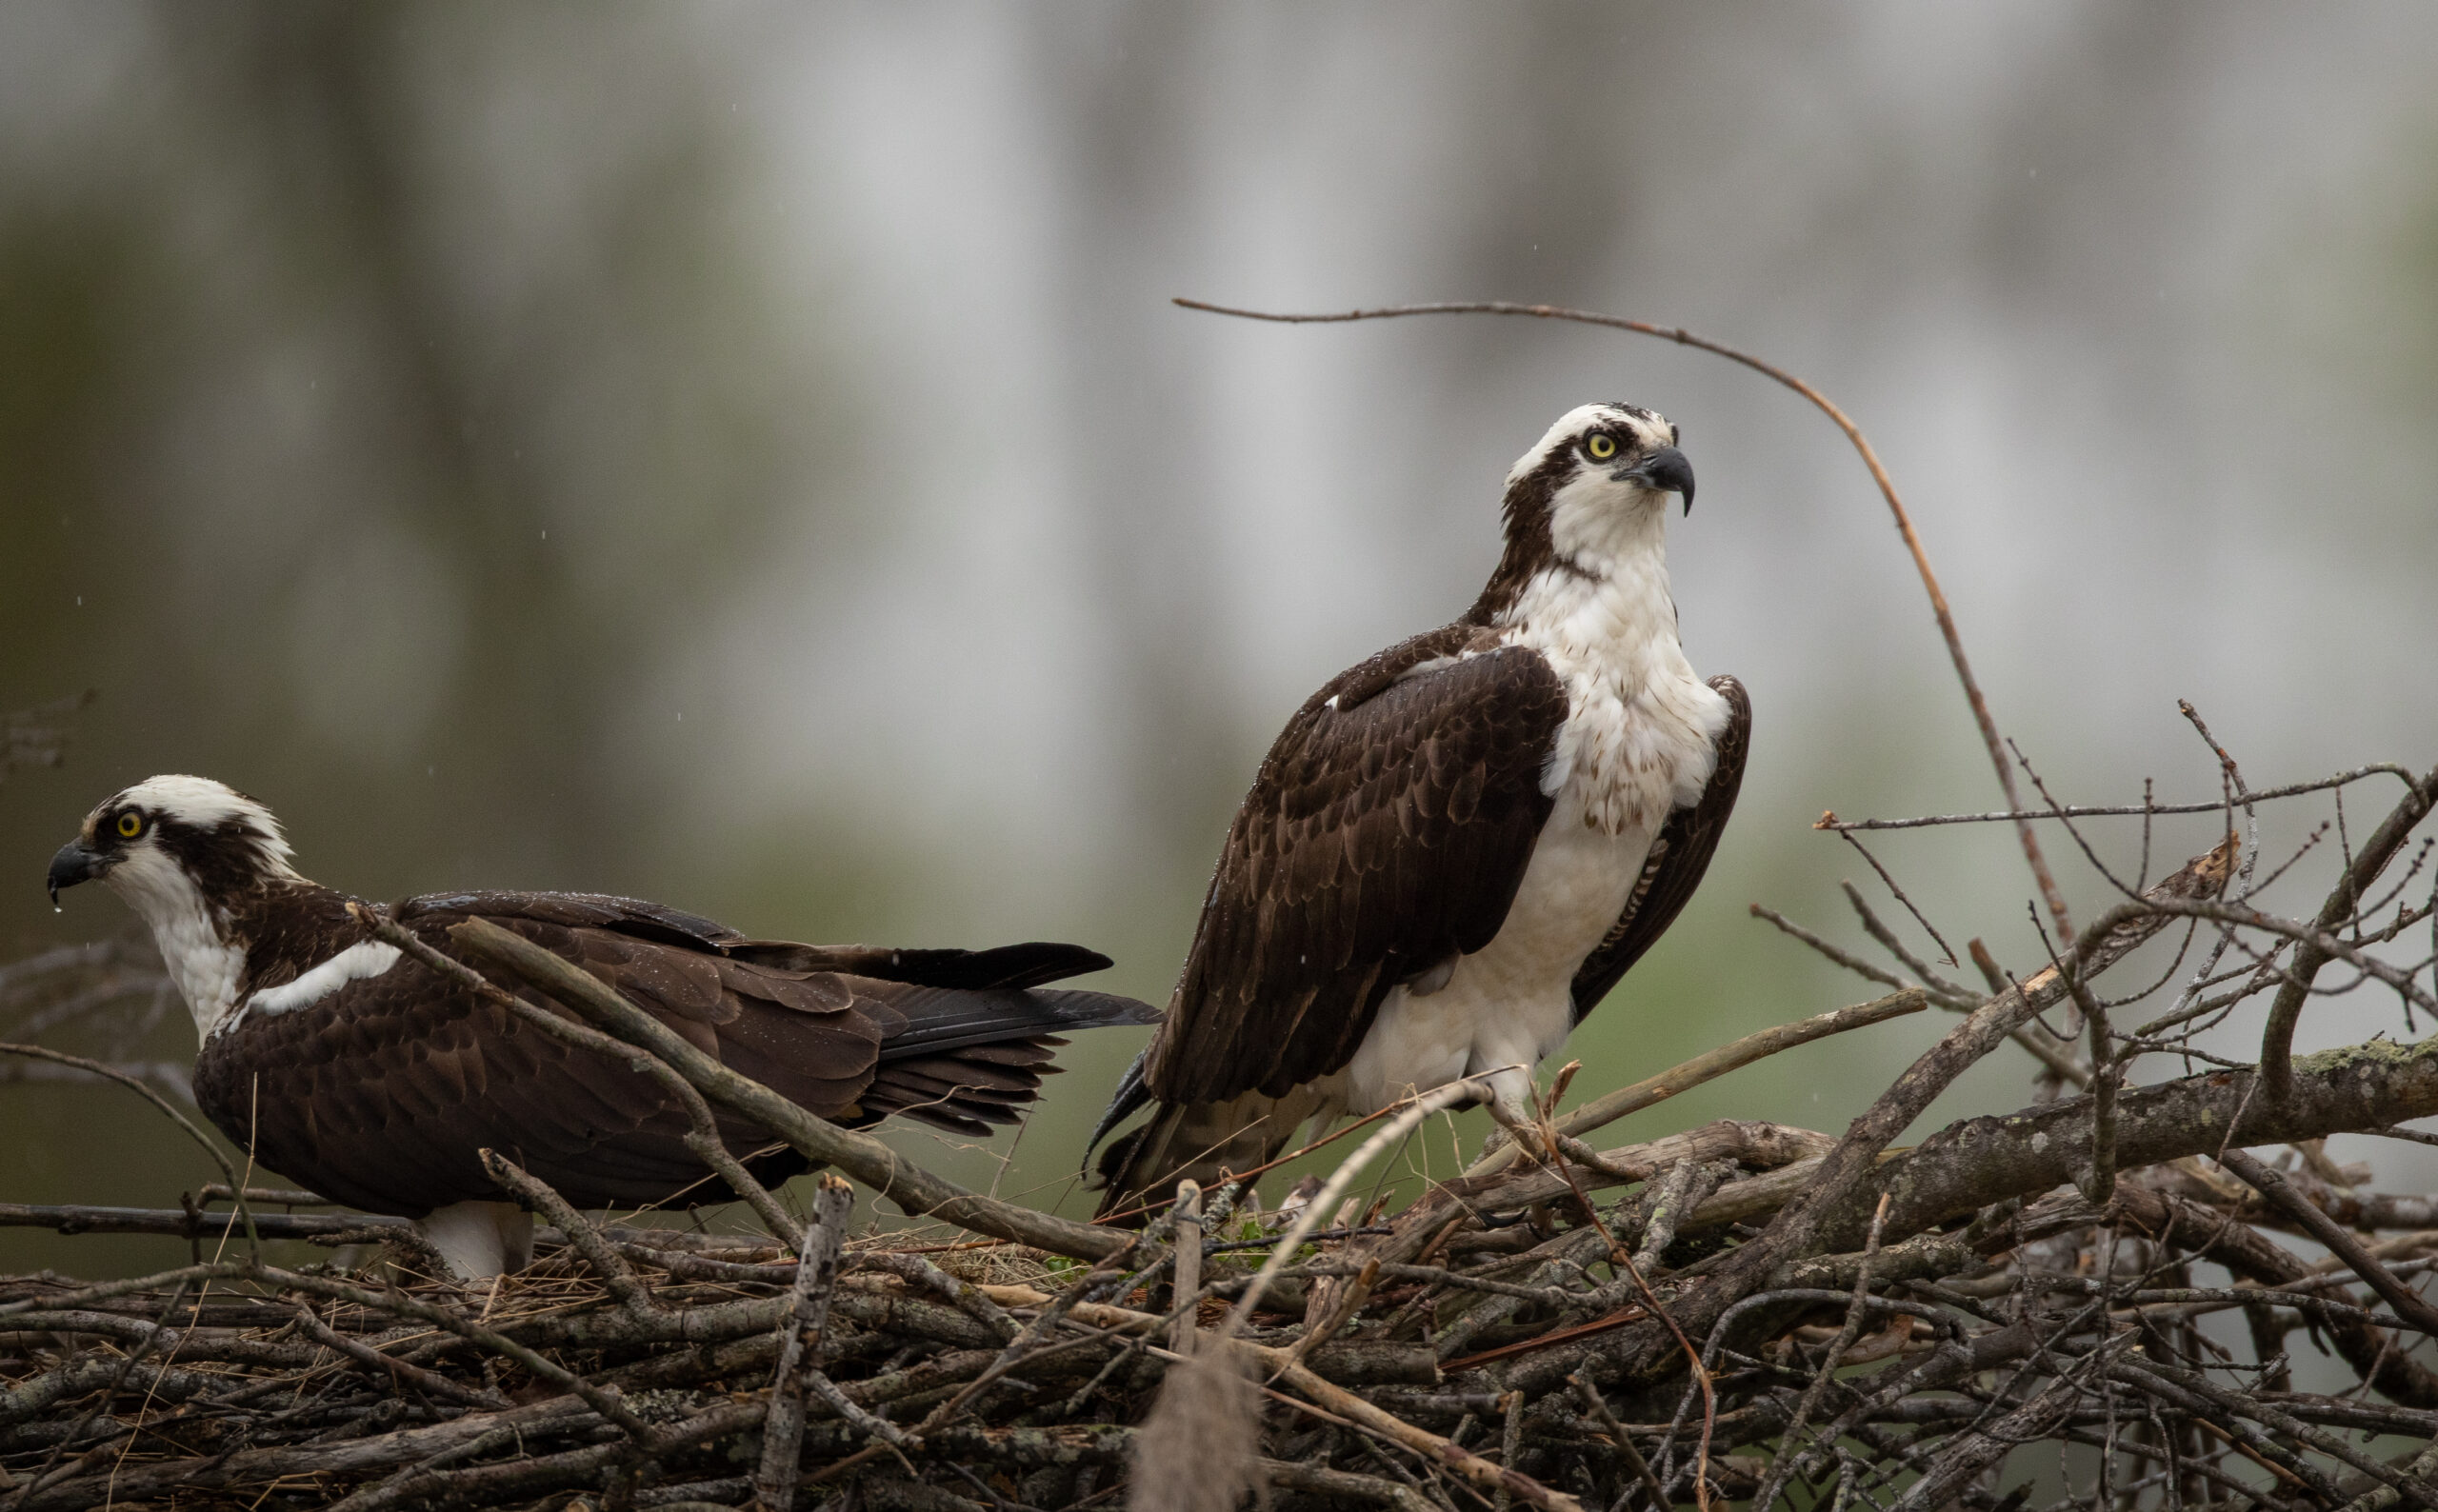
[{"x": 480, "y": 1240}]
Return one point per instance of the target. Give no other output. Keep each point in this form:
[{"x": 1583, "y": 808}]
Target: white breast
[
  {"x": 1641, "y": 730},
  {"x": 1510, "y": 1003}
]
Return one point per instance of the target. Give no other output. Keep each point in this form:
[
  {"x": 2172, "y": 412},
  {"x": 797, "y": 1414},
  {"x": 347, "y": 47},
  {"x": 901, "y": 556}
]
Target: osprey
[
  {"x": 1455, "y": 848},
  {"x": 374, "y": 1081}
]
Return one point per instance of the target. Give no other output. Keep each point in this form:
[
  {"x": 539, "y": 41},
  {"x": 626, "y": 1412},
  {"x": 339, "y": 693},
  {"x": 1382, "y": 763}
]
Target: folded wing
[
  {"x": 381, "y": 1094},
  {"x": 1387, "y": 832}
]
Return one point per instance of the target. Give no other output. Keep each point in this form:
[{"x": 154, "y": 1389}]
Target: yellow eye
[
  {"x": 131, "y": 824},
  {"x": 1601, "y": 448}
]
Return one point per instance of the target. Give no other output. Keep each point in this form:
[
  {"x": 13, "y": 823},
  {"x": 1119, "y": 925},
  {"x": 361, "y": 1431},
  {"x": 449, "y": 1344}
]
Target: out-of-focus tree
[{"x": 399, "y": 381}]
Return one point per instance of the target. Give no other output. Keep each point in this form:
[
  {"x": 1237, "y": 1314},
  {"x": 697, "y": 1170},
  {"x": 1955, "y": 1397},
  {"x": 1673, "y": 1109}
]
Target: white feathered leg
[{"x": 480, "y": 1240}]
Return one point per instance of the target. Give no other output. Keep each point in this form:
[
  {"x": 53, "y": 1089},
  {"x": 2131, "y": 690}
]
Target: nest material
[{"x": 987, "y": 1375}]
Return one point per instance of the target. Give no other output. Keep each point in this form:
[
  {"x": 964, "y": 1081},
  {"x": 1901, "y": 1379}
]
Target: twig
[
  {"x": 2408, "y": 1303},
  {"x": 1952, "y": 992},
  {"x": 1186, "y": 1274},
  {"x": 1791, "y": 1445},
  {"x": 1342, "y": 1484},
  {"x": 606, "y": 1262},
  {"x": 74, "y": 1218},
  {"x": 1510, "y": 1443},
  {"x": 2050, "y": 1051},
  {"x": 2105, "y": 1067},
  {"x": 228, "y": 1171},
  {"x": 2235, "y": 775},
  {"x": 1416, "y": 1111},
  {"x": 2277, "y": 1040},
  {"x": 401, "y": 1371},
  {"x": 1673, "y": 1198},
  {"x": 800, "y": 1348},
  {"x": 1711, "y": 1064},
  {"x": 1831, "y": 949},
  {"x": 1598, "y": 1405},
  {"x": 1928, "y": 927},
  {"x": 2343, "y": 779}
]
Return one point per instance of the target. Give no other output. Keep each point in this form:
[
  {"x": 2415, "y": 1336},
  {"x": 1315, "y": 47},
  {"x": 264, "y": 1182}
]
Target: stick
[
  {"x": 2277, "y": 1040},
  {"x": 800, "y": 1352},
  {"x": 1617, "y": 1432},
  {"x": 2215, "y": 806},
  {"x": 1186, "y": 1277},
  {"x": 2408, "y": 1303},
  {"x": 1782, "y": 1465},
  {"x": 78, "y": 1218},
  {"x": 401, "y": 1372},
  {"x": 1711, "y": 1064}
]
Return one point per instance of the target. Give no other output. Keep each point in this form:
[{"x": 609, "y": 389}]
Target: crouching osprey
[
  {"x": 371, "y": 1080},
  {"x": 1457, "y": 847}
]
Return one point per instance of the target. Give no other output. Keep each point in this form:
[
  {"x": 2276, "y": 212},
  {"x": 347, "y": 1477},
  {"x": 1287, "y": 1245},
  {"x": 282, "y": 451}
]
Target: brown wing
[
  {"x": 1677, "y": 860},
  {"x": 1386, "y": 831},
  {"x": 380, "y": 1094}
]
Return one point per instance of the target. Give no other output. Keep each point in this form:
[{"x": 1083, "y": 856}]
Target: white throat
[
  {"x": 187, "y": 931},
  {"x": 1598, "y": 524}
]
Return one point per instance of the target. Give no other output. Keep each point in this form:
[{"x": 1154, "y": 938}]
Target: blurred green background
[{"x": 742, "y": 454}]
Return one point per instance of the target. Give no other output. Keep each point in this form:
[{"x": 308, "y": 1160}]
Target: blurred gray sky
[{"x": 744, "y": 455}]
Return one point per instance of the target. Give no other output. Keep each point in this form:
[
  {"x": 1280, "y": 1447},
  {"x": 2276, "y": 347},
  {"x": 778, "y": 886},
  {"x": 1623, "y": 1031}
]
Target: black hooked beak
[
  {"x": 75, "y": 864},
  {"x": 1664, "y": 469}
]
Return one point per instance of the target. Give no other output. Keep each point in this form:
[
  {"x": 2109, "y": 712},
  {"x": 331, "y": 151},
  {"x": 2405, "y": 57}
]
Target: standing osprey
[
  {"x": 1455, "y": 848},
  {"x": 374, "y": 1081}
]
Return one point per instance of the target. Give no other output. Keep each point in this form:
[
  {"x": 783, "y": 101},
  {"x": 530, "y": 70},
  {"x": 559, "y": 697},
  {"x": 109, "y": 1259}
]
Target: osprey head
[
  {"x": 188, "y": 855},
  {"x": 1599, "y": 477},
  {"x": 175, "y": 841}
]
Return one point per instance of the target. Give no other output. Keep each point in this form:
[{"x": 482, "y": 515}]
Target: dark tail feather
[
  {"x": 966, "y": 1091},
  {"x": 966, "y": 1060},
  {"x": 1017, "y": 965},
  {"x": 939, "y": 1019}
]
